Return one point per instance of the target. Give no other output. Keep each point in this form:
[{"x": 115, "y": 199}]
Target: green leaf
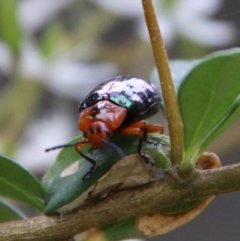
[
  {"x": 9, "y": 213},
  {"x": 209, "y": 101},
  {"x": 9, "y": 25},
  {"x": 64, "y": 180},
  {"x": 17, "y": 183}
]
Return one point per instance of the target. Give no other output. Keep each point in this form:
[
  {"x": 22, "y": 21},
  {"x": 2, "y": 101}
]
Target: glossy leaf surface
[
  {"x": 18, "y": 184},
  {"x": 209, "y": 100}
]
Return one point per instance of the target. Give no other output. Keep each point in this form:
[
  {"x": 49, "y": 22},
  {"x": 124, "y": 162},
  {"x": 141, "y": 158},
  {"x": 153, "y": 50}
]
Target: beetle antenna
[
  {"x": 114, "y": 147},
  {"x": 62, "y": 146}
]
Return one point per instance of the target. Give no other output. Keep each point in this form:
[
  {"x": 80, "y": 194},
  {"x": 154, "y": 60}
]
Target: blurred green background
[{"x": 53, "y": 52}]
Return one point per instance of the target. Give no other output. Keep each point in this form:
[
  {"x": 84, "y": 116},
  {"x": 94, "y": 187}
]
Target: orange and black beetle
[{"x": 118, "y": 105}]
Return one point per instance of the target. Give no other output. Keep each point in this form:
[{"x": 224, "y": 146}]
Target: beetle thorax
[{"x": 100, "y": 120}]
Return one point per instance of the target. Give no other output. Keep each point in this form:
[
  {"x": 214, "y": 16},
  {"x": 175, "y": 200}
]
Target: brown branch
[{"x": 143, "y": 200}]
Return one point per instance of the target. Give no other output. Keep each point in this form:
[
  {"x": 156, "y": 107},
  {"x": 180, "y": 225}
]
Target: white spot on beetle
[{"x": 70, "y": 170}]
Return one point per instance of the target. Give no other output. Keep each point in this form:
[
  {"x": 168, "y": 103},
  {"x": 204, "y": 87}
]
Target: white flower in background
[
  {"x": 75, "y": 79},
  {"x": 194, "y": 22},
  {"x": 189, "y": 18},
  {"x": 124, "y": 8},
  {"x": 35, "y": 14},
  {"x": 31, "y": 65}
]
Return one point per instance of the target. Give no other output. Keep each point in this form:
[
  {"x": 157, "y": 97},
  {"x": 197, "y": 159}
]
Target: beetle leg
[
  {"x": 93, "y": 162},
  {"x": 139, "y": 146},
  {"x": 154, "y": 128},
  {"x": 141, "y": 128},
  {"x": 136, "y": 128}
]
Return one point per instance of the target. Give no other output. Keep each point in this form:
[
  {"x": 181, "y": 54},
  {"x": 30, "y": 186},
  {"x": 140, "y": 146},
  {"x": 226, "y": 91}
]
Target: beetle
[{"x": 117, "y": 106}]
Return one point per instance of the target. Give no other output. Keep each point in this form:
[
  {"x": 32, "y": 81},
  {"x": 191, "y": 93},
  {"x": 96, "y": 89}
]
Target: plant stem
[{"x": 168, "y": 91}]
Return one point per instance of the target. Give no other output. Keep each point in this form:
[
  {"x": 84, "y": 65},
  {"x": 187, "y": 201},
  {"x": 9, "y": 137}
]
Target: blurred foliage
[{"x": 71, "y": 32}]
